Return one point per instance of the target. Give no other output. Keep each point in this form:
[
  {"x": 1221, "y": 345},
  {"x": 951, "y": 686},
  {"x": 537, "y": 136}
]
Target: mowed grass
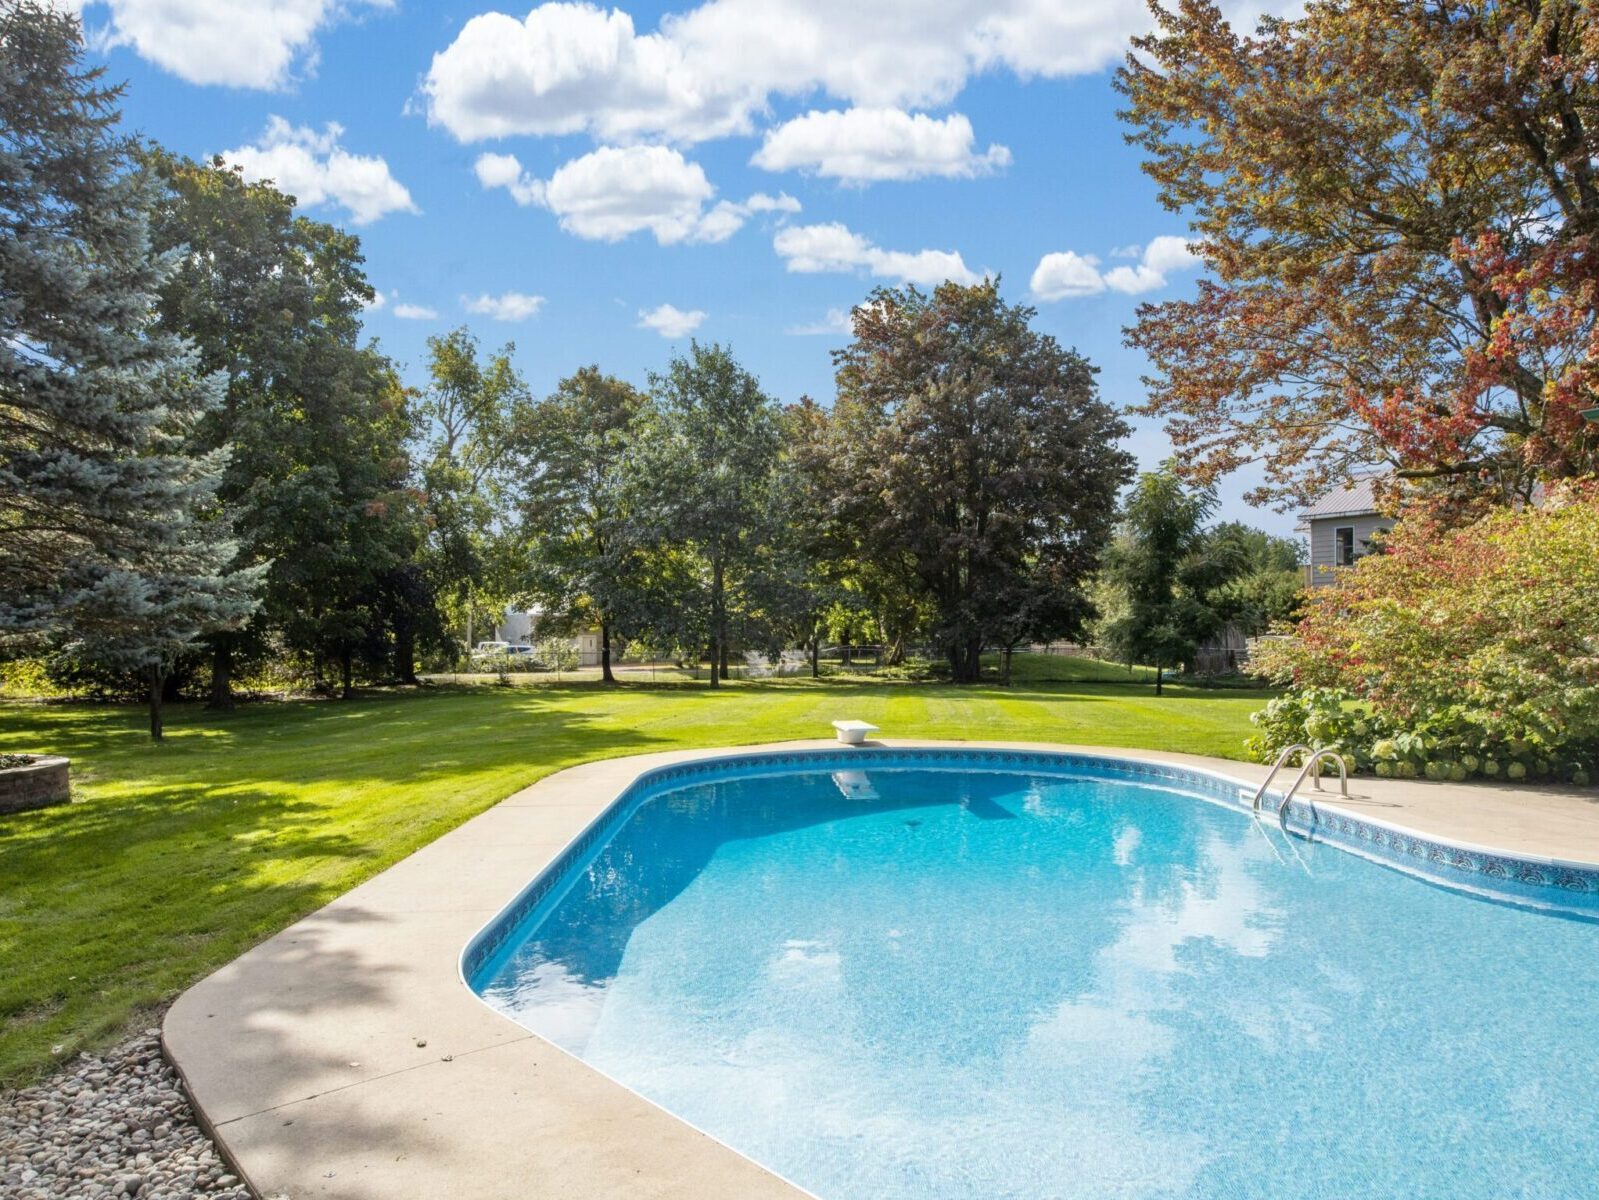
[{"x": 175, "y": 858}]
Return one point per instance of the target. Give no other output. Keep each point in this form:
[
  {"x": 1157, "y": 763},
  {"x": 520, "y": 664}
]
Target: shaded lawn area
[{"x": 173, "y": 859}]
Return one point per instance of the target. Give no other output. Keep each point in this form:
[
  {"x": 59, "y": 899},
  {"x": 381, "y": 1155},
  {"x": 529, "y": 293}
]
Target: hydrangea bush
[{"x": 1456, "y": 653}]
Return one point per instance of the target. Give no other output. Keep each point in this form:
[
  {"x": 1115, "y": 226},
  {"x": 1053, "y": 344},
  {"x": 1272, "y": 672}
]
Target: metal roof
[{"x": 1353, "y": 499}]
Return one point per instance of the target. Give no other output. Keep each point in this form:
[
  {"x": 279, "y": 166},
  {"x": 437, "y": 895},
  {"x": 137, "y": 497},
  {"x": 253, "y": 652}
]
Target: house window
[{"x": 1344, "y": 546}]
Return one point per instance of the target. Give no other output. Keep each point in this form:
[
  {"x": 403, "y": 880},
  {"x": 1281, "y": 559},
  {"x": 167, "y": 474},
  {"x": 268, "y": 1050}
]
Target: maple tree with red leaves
[{"x": 1398, "y": 203}]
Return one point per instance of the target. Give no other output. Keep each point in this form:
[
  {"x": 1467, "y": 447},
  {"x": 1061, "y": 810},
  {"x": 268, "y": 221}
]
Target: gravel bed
[{"x": 112, "y": 1125}]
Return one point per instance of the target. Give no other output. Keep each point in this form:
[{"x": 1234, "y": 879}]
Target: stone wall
[{"x": 37, "y": 785}]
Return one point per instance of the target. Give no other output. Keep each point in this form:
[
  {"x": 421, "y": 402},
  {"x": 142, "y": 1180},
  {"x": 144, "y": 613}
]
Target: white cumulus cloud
[
  {"x": 404, "y": 311},
  {"x": 866, "y": 145},
  {"x": 509, "y": 306},
  {"x": 315, "y": 169},
  {"x": 709, "y": 71},
  {"x": 760, "y": 202},
  {"x": 505, "y": 171},
  {"x": 615, "y": 191},
  {"x": 569, "y": 68},
  {"x": 1066, "y": 273},
  {"x": 236, "y": 43},
  {"x": 670, "y": 321},
  {"x": 835, "y": 247},
  {"x": 837, "y": 321}
]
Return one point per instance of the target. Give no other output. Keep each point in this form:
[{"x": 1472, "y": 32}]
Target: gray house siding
[{"x": 1323, "y": 540}]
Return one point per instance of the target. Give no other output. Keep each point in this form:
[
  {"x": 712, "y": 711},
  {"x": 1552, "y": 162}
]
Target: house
[
  {"x": 520, "y": 627},
  {"x": 1340, "y": 527}
]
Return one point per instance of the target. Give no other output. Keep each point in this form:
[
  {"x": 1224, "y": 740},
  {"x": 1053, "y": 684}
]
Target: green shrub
[
  {"x": 1464, "y": 652},
  {"x": 28, "y": 679},
  {"x": 1451, "y": 746},
  {"x": 556, "y": 654}
]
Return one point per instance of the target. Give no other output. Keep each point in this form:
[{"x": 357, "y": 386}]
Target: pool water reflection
[{"x": 938, "y": 983}]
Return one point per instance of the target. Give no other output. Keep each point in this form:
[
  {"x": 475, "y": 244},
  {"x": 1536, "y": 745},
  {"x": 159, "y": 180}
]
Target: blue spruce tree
[{"x": 111, "y": 540}]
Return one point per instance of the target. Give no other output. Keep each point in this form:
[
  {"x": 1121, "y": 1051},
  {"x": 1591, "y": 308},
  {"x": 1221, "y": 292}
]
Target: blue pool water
[{"x": 912, "y": 983}]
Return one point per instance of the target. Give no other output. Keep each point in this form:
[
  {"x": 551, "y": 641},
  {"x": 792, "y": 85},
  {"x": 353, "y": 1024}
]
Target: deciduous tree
[
  {"x": 1398, "y": 202},
  {"x": 470, "y": 408},
  {"x": 572, "y": 448},
  {"x": 318, "y": 431},
  {"x": 707, "y": 459},
  {"x": 1157, "y": 569},
  {"x": 978, "y": 453},
  {"x": 1488, "y": 629}
]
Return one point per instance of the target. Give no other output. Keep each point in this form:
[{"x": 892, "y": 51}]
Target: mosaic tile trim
[
  {"x": 1560, "y": 885},
  {"x": 1504, "y": 876}
]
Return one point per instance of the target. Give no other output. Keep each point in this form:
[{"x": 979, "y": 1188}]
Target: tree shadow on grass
[{"x": 175, "y": 858}]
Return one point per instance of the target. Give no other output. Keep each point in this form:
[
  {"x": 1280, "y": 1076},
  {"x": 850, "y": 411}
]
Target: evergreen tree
[{"x": 109, "y": 535}]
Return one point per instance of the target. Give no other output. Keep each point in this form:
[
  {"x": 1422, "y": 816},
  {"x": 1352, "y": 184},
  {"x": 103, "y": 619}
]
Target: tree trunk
[
  {"x": 158, "y": 681},
  {"x": 469, "y": 632},
  {"x": 722, "y": 662},
  {"x": 816, "y": 656},
  {"x": 221, "y": 699},
  {"x": 965, "y": 659},
  {"x": 346, "y": 672},
  {"x": 405, "y": 651},
  {"x": 605, "y": 653},
  {"x": 1006, "y": 679},
  {"x": 1159, "y": 671},
  {"x": 718, "y": 625}
]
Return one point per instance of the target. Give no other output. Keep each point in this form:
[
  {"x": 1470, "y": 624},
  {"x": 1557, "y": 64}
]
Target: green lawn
[{"x": 175, "y": 858}]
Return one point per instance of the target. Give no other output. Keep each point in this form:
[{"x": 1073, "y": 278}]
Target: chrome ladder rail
[{"x": 1312, "y": 764}]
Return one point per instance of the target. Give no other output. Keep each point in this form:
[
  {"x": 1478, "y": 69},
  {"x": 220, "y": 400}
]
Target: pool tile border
[{"x": 1524, "y": 879}]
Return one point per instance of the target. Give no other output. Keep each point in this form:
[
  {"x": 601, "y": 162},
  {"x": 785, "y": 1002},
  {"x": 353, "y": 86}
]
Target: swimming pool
[{"x": 889, "y": 974}]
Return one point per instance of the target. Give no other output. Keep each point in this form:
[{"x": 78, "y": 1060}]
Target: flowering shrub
[
  {"x": 1321, "y": 718},
  {"x": 1470, "y": 651}
]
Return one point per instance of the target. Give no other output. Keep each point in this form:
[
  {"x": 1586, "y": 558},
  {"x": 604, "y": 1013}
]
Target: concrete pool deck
[{"x": 344, "y": 1057}]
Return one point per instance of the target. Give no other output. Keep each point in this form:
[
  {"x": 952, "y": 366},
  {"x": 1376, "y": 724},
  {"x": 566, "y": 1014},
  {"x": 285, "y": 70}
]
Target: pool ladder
[{"x": 1312, "y": 767}]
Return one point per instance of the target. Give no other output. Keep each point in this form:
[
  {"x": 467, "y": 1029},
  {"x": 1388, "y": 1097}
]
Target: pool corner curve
[{"x": 345, "y": 1055}]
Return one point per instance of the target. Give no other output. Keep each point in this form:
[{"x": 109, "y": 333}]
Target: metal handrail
[
  {"x": 1313, "y": 764},
  {"x": 1272, "y": 774}
]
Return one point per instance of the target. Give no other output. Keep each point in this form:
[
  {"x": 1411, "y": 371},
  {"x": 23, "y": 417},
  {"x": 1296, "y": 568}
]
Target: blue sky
[{"x": 554, "y": 176}]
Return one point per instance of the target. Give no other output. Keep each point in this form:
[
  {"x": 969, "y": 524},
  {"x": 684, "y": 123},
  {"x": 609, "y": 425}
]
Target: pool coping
[{"x": 344, "y": 1057}]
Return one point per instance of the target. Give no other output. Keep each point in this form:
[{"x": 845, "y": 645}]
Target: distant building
[
  {"x": 1340, "y": 527},
  {"x": 515, "y": 627},
  {"x": 520, "y": 628}
]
